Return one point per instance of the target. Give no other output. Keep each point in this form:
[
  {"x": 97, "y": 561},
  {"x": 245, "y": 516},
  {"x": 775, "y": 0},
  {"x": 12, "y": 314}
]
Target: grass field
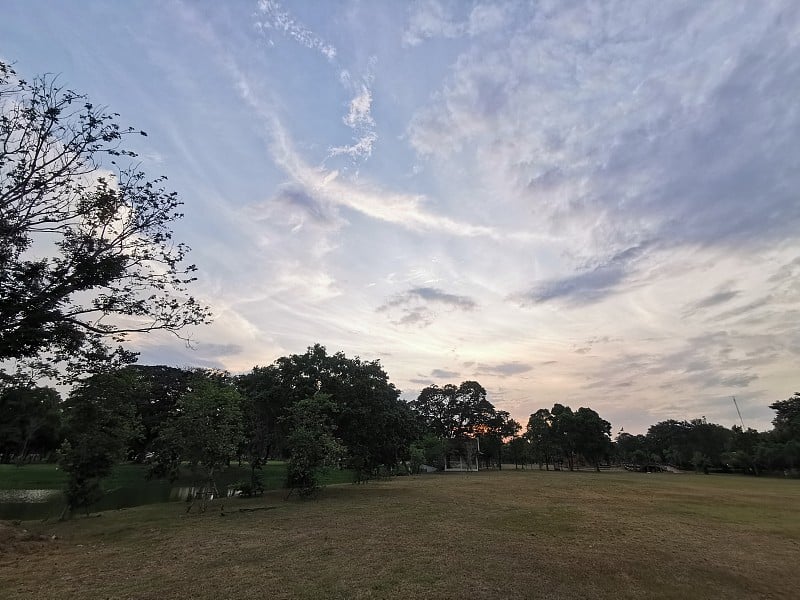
[
  {"x": 49, "y": 476},
  {"x": 510, "y": 534}
]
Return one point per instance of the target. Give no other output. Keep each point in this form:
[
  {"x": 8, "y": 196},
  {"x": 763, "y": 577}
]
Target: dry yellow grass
[{"x": 511, "y": 534}]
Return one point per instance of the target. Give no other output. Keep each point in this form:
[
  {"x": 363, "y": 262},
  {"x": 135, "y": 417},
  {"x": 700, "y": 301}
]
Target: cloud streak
[{"x": 278, "y": 19}]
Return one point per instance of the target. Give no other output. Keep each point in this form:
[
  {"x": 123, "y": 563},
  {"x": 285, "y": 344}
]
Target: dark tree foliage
[
  {"x": 561, "y": 434},
  {"x": 689, "y": 444},
  {"x": 205, "y": 430},
  {"x": 86, "y": 255},
  {"x": 453, "y": 412},
  {"x": 265, "y": 403},
  {"x": 459, "y": 414},
  {"x": 100, "y": 422},
  {"x": 160, "y": 388},
  {"x": 30, "y": 423},
  {"x": 539, "y": 433},
  {"x": 313, "y": 443},
  {"x": 787, "y": 418},
  {"x": 373, "y": 423}
]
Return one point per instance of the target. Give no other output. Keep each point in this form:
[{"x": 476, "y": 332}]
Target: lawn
[
  {"x": 49, "y": 476},
  {"x": 509, "y": 534}
]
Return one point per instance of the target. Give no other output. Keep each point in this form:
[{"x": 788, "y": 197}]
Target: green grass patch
[{"x": 49, "y": 476}]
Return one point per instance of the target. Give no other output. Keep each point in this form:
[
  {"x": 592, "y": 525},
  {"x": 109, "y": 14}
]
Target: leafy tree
[
  {"x": 372, "y": 422},
  {"x": 30, "y": 421},
  {"x": 787, "y": 419},
  {"x": 314, "y": 448},
  {"x": 592, "y": 436},
  {"x": 265, "y": 402},
  {"x": 563, "y": 433},
  {"x": 518, "y": 451},
  {"x": 86, "y": 255},
  {"x": 160, "y": 388},
  {"x": 100, "y": 422},
  {"x": 539, "y": 433},
  {"x": 454, "y": 411},
  {"x": 205, "y": 432},
  {"x": 630, "y": 448}
]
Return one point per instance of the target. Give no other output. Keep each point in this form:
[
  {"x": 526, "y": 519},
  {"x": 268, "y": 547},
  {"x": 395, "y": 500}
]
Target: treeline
[
  {"x": 318, "y": 410},
  {"x": 704, "y": 446}
]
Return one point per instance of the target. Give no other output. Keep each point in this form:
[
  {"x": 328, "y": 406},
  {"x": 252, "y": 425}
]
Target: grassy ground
[
  {"x": 49, "y": 476},
  {"x": 487, "y": 535}
]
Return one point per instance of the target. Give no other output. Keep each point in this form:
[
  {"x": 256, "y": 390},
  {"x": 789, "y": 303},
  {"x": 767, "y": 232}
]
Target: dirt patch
[{"x": 15, "y": 538}]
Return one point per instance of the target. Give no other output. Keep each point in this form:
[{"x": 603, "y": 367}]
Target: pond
[{"x": 27, "y": 504}]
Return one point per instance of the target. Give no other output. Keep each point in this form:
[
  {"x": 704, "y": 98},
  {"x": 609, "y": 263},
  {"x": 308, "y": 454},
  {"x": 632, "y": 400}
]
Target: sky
[{"x": 591, "y": 203}]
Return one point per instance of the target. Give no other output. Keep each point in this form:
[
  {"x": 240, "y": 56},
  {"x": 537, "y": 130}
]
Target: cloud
[
  {"x": 428, "y": 19},
  {"x": 619, "y": 126},
  {"x": 405, "y": 210},
  {"x": 435, "y": 19},
  {"x": 431, "y": 295},
  {"x": 586, "y": 286},
  {"x": 443, "y": 374},
  {"x": 359, "y": 118},
  {"x": 275, "y": 17},
  {"x": 505, "y": 369},
  {"x": 715, "y": 299},
  {"x": 415, "y": 305}
]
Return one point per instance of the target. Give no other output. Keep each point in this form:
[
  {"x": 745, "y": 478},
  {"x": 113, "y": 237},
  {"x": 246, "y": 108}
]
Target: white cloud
[{"x": 275, "y": 17}]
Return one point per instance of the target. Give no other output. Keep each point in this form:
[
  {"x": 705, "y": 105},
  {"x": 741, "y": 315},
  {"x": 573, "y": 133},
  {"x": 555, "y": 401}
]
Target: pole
[{"x": 738, "y": 411}]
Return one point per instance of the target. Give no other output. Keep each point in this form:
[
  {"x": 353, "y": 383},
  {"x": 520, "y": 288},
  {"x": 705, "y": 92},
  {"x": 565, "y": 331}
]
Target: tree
[
  {"x": 30, "y": 421},
  {"x": 540, "y": 435},
  {"x": 160, "y": 388},
  {"x": 205, "y": 432},
  {"x": 563, "y": 433},
  {"x": 454, "y": 412},
  {"x": 787, "y": 418},
  {"x": 371, "y": 420},
  {"x": 592, "y": 436},
  {"x": 86, "y": 254},
  {"x": 100, "y": 422},
  {"x": 314, "y": 448}
]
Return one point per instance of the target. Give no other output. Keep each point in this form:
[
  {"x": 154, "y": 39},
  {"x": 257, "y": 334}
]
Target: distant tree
[
  {"x": 206, "y": 432},
  {"x": 539, "y": 433},
  {"x": 160, "y": 388},
  {"x": 787, "y": 419},
  {"x": 459, "y": 414},
  {"x": 86, "y": 255},
  {"x": 100, "y": 422},
  {"x": 433, "y": 450},
  {"x": 454, "y": 411},
  {"x": 518, "y": 451},
  {"x": 314, "y": 447},
  {"x": 30, "y": 421},
  {"x": 266, "y": 400},
  {"x": 630, "y": 448},
  {"x": 592, "y": 436},
  {"x": 564, "y": 433},
  {"x": 372, "y": 422}
]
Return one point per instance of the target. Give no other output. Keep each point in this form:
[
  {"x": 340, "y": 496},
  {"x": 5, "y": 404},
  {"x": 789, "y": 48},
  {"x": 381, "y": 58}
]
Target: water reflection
[{"x": 28, "y": 495}]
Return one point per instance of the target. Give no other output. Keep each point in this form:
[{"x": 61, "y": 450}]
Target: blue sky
[{"x": 592, "y": 203}]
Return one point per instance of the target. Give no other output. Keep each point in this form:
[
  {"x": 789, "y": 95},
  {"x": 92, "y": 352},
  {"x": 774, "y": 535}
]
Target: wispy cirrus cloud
[{"x": 276, "y": 18}]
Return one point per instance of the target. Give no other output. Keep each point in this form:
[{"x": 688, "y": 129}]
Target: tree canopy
[{"x": 87, "y": 254}]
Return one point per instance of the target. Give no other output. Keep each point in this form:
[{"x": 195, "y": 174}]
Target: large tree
[
  {"x": 86, "y": 248},
  {"x": 454, "y": 411},
  {"x": 374, "y": 424}
]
